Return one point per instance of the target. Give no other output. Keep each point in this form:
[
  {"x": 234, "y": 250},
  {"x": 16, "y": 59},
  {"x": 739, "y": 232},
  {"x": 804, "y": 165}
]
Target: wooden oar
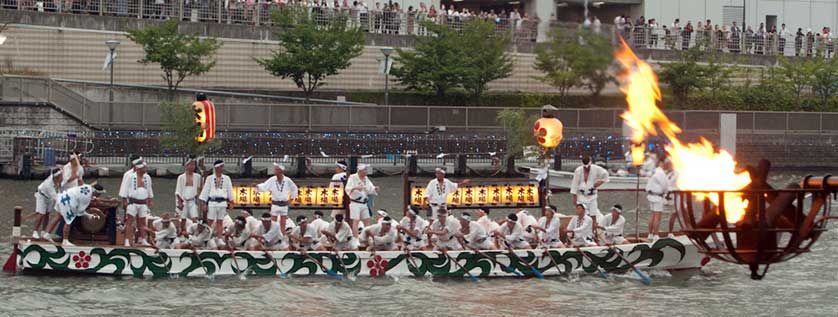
[
  {"x": 599, "y": 269},
  {"x": 512, "y": 254},
  {"x": 411, "y": 261},
  {"x": 472, "y": 277},
  {"x": 342, "y": 266},
  {"x": 276, "y": 264},
  {"x": 552, "y": 261},
  {"x": 322, "y": 267},
  {"x": 233, "y": 258},
  {"x": 198, "y": 257},
  {"x": 646, "y": 279},
  {"x": 507, "y": 269}
]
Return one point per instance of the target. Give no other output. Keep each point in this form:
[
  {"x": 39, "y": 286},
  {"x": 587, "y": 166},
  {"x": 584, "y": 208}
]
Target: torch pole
[{"x": 637, "y": 205}]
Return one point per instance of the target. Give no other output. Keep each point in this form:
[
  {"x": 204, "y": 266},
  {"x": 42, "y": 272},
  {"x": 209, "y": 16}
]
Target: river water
[{"x": 806, "y": 285}]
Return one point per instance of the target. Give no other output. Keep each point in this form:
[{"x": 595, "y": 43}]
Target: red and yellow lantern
[
  {"x": 205, "y": 118},
  {"x": 548, "y": 132}
]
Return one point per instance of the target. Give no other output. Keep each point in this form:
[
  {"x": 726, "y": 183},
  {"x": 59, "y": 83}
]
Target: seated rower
[
  {"x": 199, "y": 236},
  {"x": 267, "y": 236},
  {"x": 381, "y": 236},
  {"x": 338, "y": 236},
  {"x": 71, "y": 204},
  {"x": 412, "y": 227},
  {"x": 580, "y": 228},
  {"x": 472, "y": 235},
  {"x": 511, "y": 234},
  {"x": 527, "y": 221},
  {"x": 441, "y": 232},
  {"x": 613, "y": 224},
  {"x": 164, "y": 231},
  {"x": 380, "y": 214},
  {"x": 303, "y": 237},
  {"x": 318, "y": 223},
  {"x": 488, "y": 224},
  {"x": 550, "y": 226},
  {"x": 238, "y": 234}
]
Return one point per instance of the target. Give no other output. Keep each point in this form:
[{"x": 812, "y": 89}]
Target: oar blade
[
  {"x": 472, "y": 277},
  {"x": 643, "y": 276},
  {"x": 537, "y": 273},
  {"x": 333, "y": 274}
]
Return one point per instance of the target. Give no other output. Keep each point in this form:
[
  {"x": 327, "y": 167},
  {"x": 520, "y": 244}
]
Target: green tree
[
  {"x": 179, "y": 55},
  {"x": 685, "y": 75},
  {"x": 435, "y": 63},
  {"x": 311, "y": 51},
  {"x": 177, "y": 121},
  {"x": 485, "y": 58},
  {"x": 594, "y": 63},
  {"x": 518, "y": 129},
  {"x": 559, "y": 59},
  {"x": 825, "y": 79},
  {"x": 797, "y": 75}
]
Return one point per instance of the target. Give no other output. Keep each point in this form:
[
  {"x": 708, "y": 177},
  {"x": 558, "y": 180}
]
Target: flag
[{"x": 108, "y": 61}]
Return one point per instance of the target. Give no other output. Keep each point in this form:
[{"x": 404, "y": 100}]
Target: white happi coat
[
  {"x": 281, "y": 191},
  {"x": 613, "y": 230},
  {"x": 582, "y": 229},
  {"x": 419, "y": 225},
  {"x": 217, "y": 188},
  {"x": 73, "y": 202},
  {"x": 584, "y": 189}
]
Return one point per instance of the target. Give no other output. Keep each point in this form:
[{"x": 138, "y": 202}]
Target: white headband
[
  {"x": 440, "y": 170},
  {"x": 219, "y": 164},
  {"x": 343, "y": 166},
  {"x": 385, "y": 222},
  {"x": 466, "y": 217},
  {"x": 279, "y": 166},
  {"x": 137, "y": 161},
  {"x": 362, "y": 167}
]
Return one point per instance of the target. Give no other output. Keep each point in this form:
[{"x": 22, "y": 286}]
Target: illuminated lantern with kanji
[
  {"x": 204, "y": 118},
  {"x": 548, "y": 132}
]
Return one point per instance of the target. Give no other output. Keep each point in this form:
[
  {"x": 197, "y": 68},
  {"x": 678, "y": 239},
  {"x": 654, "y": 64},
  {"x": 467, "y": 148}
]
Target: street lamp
[
  {"x": 386, "y": 51},
  {"x": 112, "y": 44}
]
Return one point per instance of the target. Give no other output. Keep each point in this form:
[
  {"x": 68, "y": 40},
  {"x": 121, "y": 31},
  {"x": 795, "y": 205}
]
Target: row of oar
[{"x": 411, "y": 261}]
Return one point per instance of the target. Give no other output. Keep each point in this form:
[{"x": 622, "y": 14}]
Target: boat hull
[{"x": 672, "y": 254}]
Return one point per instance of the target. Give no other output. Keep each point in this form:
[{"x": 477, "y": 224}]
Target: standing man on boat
[
  {"x": 586, "y": 180},
  {"x": 437, "y": 191},
  {"x": 550, "y": 226},
  {"x": 339, "y": 180},
  {"x": 613, "y": 224},
  {"x": 472, "y": 236},
  {"x": 283, "y": 190},
  {"x": 412, "y": 228},
  {"x": 580, "y": 228},
  {"x": 186, "y": 193},
  {"x": 359, "y": 187},
  {"x": 217, "y": 195},
  {"x": 137, "y": 199},
  {"x": 656, "y": 191},
  {"x": 45, "y": 202},
  {"x": 73, "y": 172},
  {"x": 72, "y": 204}
]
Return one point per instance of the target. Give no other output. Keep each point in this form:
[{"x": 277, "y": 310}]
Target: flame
[{"x": 698, "y": 165}]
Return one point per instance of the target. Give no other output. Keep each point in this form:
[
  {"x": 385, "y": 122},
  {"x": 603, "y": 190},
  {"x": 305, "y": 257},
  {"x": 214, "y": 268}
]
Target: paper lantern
[
  {"x": 485, "y": 195},
  {"x": 307, "y": 196},
  {"x": 205, "y": 118},
  {"x": 548, "y": 132}
]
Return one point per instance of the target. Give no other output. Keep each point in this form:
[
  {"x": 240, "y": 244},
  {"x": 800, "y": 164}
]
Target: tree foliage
[
  {"x": 449, "y": 60},
  {"x": 518, "y": 129},
  {"x": 177, "y": 121},
  {"x": 179, "y": 55},
  {"x": 581, "y": 60},
  {"x": 311, "y": 50}
]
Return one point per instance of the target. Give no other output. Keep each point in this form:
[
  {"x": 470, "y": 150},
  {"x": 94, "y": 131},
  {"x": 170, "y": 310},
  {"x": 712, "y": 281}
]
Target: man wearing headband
[
  {"x": 283, "y": 190},
  {"x": 73, "y": 172},
  {"x": 45, "y": 202},
  {"x": 580, "y": 228},
  {"x": 656, "y": 190},
  {"x": 527, "y": 221},
  {"x": 339, "y": 235},
  {"x": 339, "y": 180},
  {"x": 441, "y": 232},
  {"x": 613, "y": 224},
  {"x": 164, "y": 231},
  {"x": 237, "y": 235},
  {"x": 586, "y": 180},
  {"x": 550, "y": 226},
  {"x": 267, "y": 236},
  {"x": 359, "y": 187},
  {"x": 304, "y": 237},
  {"x": 381, "y": 236},
  {"x": 217, "y": 195},
  {"x": 511, "y": 234},
  {"x": 412, "y": 227},
  {"x": 133, "y": 160},
  {"x": 72, "y": 204},
  {"x": 199, "y": 235},
  {"x": 438, "y": 189},
  {"x": 138, "y": 200},
  {"x": 472, "y": 235},
  {"x": 186, "y": 193},
  {"x": 483, "y": 219}
]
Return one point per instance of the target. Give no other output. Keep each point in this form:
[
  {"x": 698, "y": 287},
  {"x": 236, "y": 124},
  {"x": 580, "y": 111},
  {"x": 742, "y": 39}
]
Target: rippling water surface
[{"x": 804, "y": 286}]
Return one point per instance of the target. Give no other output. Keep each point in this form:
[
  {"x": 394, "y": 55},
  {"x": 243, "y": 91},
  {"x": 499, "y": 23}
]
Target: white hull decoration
[{"x": 35, "y": 257}]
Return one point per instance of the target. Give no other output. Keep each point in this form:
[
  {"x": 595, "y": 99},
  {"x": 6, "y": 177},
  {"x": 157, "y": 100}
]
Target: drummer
[
  {"x": 438, "y": 189},
  {"x": 72, "y": 204}
]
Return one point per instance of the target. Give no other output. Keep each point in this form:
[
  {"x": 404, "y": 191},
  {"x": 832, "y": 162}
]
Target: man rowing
[
  {"x": 237, "y": 236},
  {"x": 511, "y": 234},
  {"x": 339, "y": 180},
  {"x": 441, "y": 232},
  {"x": 412, "y": 228},
  {"x": 612, "y": 224},
  {"x": 267, "y": 236},
  {"x": 199, "y": 236},
  {"x": 472, "y": 235},
  {"x": 71, "y": 204},
  {"x": 359, "y": 187},
  {"x": 137, "y": 199},
  {"x": 488, "y": 224},
  {"x": 550, "y": 226},
  {"x": 438, "y": 189},
  {"x": 339, "y": 235},
  {"x": 186, "y": 193},
  {"x": 304, "y": 237},
  {"x": 165, "y": 232},
  {"x": 217, "y": 195},
  {"x": 580, "y": 228},
  {"x": 381, "y": 236},
  {"x": 318, "y": 223},
  {"x": 45, "y": 202},
  {"x": 586, "y": 181},
  {"x": 283, "y": 190}
]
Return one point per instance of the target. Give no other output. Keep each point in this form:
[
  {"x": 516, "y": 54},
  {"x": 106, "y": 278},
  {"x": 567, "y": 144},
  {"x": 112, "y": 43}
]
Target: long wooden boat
[{"x": 677, "y": 253}]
